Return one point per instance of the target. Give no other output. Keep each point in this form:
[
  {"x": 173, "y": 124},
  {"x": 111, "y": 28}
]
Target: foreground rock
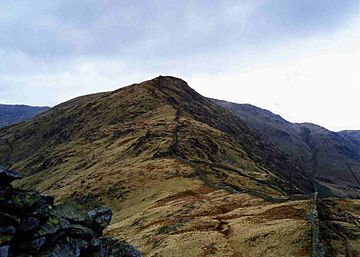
[{"x": 31, "y": 225}]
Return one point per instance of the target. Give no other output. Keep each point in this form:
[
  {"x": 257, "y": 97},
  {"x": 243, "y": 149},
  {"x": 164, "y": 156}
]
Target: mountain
[
  {"x": 183, "y": 176},
  {"x": 167, "y": 161},
  {"x": 353, "y": 135},
  {"x": 331, "y": 159},
  {"x": 10, "y": 114},
  {"x": 161, "y": 118}
]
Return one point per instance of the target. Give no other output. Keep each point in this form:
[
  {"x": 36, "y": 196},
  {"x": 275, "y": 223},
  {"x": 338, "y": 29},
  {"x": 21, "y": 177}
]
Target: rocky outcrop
[{"x": 31, "y": 225}]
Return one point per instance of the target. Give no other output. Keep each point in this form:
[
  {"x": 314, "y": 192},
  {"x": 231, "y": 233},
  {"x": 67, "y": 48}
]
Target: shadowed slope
[
  {"x": 11, "y": 114},
  {"x": 331, "y": 159},
  {"x": 353, "y": 135}
]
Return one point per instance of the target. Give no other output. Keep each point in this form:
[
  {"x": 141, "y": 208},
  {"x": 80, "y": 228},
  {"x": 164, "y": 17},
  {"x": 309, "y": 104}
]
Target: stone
[
  {"x": 52, "y": 226},
  {"x": 78, "y": 231},
  {"x": 69, "y": 213},
  {"x": 21, "y": 201},
  {"x": 4, "y": 251},
  {"x": 59, "y": 250},
  {"x": 95, "y": 244},
  {"x": 115, "y": 248},
  {"x": 32, "y": 246},
  {"x": 78, "y": 246},
  {"x": 124, "y": 250},
  {"x": 6, "y": 234},
  {"x": 8, "y": 219},
  {"x": 42, "y": 207},
  {"x": 99, "y": 212},
  {"x": 8, "y": 176},
  {"x": 99, "y": 219},
  {"x": 29, "y": 223}
]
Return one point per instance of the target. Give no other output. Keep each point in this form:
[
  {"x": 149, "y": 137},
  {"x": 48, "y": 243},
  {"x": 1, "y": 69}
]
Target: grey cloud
[
  {"x": 131, "y": 29},
  {"x": 45, "y": 44}
]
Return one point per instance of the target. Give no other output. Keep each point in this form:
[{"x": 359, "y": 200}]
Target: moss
[
  {"x": 18, "y": 201},
  {"x": 42, "y": 232},
  {"x": 167, "y": 229},
  {"x": 5, "y": 238},
  {"x": 27, "y": 199},
  {"x": 53, "y": 221}
]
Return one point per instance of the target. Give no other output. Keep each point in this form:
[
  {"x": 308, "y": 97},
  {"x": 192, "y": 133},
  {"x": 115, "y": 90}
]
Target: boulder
[
  {"x": 20, "y": 201},
  {"x": 78, "y": 246},
  {"x": 33, "y": 245},
  {"x": 70, "y": 213},
  {"x": 8, "y": 219},
  {"x": 29, "y": 223},
  {"x": 78, "y": 231},
  {"x": 99, "y": 219},
  {"x": 52, "y": 226},
  {"x": 114, "y": 248},
  {"x": 8, "y": 176},
  {"x": 4, "y": 251},
  {"x": 59, "y": 250},
  {"x": 6, "y": 234}
]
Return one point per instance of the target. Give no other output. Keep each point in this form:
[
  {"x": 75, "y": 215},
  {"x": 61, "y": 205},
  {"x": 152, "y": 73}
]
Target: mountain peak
[
  {"x": 161, "y": 117},
  {"x": 174, "y": 83}
]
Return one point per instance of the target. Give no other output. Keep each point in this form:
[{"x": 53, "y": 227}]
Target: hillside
[
  {"x": 167, "y": 161},
  {"x": 353, "y": 135},
  {"x": 331, "y": 159},
  {"x": 10, "y": 114},
  {"x": 183, "y": 176}
]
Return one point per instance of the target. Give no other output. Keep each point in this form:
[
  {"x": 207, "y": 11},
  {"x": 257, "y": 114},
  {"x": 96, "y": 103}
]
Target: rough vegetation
[
  {"x": 183, "y": 176},
  {"x": 340, "y": 226},
  {"x": 11, "y": 114},
  {"x": 31, "y": 225}
]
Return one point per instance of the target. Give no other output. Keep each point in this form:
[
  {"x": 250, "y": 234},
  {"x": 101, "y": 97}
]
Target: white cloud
[{"x": 320, "y": 85}]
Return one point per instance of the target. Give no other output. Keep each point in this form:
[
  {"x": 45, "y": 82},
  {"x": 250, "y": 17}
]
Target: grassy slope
[
  {"x": 353, "y": 135},
  {"x": 167, "y": 161},
  {"x": 340, "y": 226},
  {"x": 332, "y": 159}
]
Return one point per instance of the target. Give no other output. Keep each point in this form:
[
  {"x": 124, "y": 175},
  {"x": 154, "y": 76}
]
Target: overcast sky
[{"x": 297, "y": 58}]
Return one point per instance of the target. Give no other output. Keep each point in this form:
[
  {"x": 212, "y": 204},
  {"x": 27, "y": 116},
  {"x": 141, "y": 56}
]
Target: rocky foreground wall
[{"x": 31, "y": 225}]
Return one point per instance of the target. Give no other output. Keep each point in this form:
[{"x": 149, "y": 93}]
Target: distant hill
[
  {"x": 11, "y": 114},
  {"x": 353, "y": 135},
  {"x": 331, "y": 159}
]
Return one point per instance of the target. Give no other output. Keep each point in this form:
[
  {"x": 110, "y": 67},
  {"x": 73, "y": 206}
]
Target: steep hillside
[
  {"x": 353, "y": 135},
  {"x": 331, "y": 159},
  {"x": 10, "y": 114},
  {"x": 183, "y": 176}
]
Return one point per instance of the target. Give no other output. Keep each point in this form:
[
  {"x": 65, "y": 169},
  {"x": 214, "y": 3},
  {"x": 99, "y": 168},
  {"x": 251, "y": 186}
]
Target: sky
[{"x": 297, "y": 58}]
